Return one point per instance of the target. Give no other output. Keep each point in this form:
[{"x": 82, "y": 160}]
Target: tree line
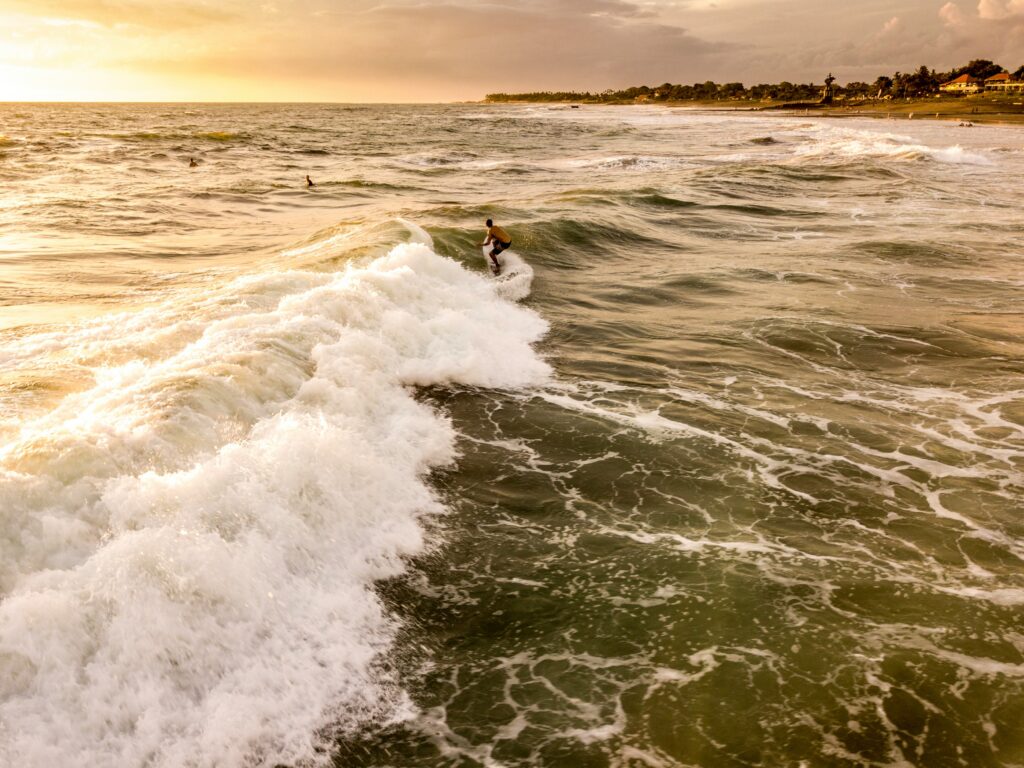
[{"x": 921, "y": 82}]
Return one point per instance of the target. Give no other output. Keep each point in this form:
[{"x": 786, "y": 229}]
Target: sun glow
[
  {"x": 53, "y": 58},
  {"x": 29, "y": 83},
  {"x": 46, "y": 58}
]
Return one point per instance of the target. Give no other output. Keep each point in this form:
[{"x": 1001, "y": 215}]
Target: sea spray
[{"x": 190, "y": 545}]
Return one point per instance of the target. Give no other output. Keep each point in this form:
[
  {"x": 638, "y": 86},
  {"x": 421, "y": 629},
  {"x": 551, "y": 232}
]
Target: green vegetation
[{"x": 921, "y": 82}]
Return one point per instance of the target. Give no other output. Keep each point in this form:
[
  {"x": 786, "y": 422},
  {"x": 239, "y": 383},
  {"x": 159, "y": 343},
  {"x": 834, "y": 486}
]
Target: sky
[{"x": 453, "y": 50}]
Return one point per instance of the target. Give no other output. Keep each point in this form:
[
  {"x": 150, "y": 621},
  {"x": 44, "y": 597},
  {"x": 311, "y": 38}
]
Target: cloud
[
  {"x": 401, "y": 50},
  {"x": 891, "y": 26},
  {"x": 951, "y": 15},
  {"x": 169, "y": 14},
  {"x": 999, "y": 9},
  {"x": 470, "y": 48}
]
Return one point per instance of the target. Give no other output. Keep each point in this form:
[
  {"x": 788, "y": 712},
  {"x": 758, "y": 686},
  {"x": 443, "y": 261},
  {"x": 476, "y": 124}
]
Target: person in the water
[
  {"x": 501, "y": 240},
  {"x": 192, "y": 163},
  {"x": 309, "y": 181}
]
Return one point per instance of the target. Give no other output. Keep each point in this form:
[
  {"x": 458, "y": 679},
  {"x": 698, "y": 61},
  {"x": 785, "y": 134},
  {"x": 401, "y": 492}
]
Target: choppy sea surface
[{"x": 728, "y": 472}]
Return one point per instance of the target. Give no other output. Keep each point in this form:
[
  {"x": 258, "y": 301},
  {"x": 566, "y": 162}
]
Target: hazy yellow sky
[{"x": 407, "y": 50}]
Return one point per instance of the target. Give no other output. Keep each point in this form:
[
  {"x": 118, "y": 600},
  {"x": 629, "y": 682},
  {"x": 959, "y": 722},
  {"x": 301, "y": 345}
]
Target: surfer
[
  {"x": 501, "y": 240},
  {"x": 192, "y": 163},
  {"x": 309, "y": 181}
]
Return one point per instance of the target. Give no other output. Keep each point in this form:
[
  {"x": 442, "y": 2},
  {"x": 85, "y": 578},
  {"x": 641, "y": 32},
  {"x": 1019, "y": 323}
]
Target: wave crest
[{"x": 191, "y": 543}]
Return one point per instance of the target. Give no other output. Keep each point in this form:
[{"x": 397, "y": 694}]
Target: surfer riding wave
[{"x": 501, "y": 240}]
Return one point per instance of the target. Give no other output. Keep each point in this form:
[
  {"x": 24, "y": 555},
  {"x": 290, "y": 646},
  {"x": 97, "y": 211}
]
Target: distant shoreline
[{"x": 979, "y": 111}]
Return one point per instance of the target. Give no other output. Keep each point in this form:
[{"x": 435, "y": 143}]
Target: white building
[{"x": 1003, "y": 83}]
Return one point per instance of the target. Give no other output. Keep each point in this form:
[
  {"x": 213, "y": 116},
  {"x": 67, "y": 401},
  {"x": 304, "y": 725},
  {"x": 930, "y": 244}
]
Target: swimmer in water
[
  {"x": 309, "y": 181},
  {"x": 192, "y": 163}
]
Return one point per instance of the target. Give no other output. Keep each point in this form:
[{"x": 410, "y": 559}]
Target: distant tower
[{"x": 829, "y": 92}]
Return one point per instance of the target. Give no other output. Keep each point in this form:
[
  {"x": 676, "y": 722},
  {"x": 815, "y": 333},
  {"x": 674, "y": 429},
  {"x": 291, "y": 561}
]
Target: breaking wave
[
  {"x": 191, "y": 539},
  {"x": 842, "y": 144}
]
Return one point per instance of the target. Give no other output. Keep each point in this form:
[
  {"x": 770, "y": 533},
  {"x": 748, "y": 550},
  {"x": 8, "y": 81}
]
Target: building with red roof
[
  {"x": 963, "y": 84},
  {"x": 1003, "y": 82}
]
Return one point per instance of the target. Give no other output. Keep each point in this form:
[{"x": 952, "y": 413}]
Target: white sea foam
[
  {"x": 438, "y": 159},
  {"x": 624, "y": 162},
  {"x": 842, "y": 143},
  {"x": 516, "y": 278},
  {"x": 190, "y": 544}
]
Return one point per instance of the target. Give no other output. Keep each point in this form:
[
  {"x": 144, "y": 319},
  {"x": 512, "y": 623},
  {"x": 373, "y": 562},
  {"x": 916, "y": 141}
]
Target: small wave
[
  {"x": 218, "y": 135},
  {"x": 364, "y": 184},
  {"x": 140, "y": 136},
  {"x": 658, "y": 200},
  {"x": 438, "y": 160},
  {"x": 626, "y": 162},
  {"x": 857, "y": 145},
  {"x": 958, "y": 154},
  {"x": 147, "y": 136}
]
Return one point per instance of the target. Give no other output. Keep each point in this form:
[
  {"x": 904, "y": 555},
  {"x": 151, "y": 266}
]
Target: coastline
[{"x": 980, "y": 111}]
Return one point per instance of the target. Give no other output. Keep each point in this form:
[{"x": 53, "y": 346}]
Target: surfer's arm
[{"x": 488, "y": 241}]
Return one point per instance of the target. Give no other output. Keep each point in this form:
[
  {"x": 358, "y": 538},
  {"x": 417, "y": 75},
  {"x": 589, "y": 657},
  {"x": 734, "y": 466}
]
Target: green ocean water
[{"x": 753, "y": 498}]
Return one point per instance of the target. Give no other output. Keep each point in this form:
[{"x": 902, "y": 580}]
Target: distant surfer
[
  {"x": 192, "y": 163},
  {"x": 309, "y": 181},
  {"x": 501, "y": 240}
]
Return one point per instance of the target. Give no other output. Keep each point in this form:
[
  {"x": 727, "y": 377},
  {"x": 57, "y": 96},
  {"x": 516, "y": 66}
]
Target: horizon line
[{"x": 177, "y": 102}]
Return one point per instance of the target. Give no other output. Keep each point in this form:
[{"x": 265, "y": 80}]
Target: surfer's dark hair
[{"x": 490, "y": 223}]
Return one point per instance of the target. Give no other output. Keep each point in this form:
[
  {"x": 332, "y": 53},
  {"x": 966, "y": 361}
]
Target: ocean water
[{"x": 729, "y": 473}]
